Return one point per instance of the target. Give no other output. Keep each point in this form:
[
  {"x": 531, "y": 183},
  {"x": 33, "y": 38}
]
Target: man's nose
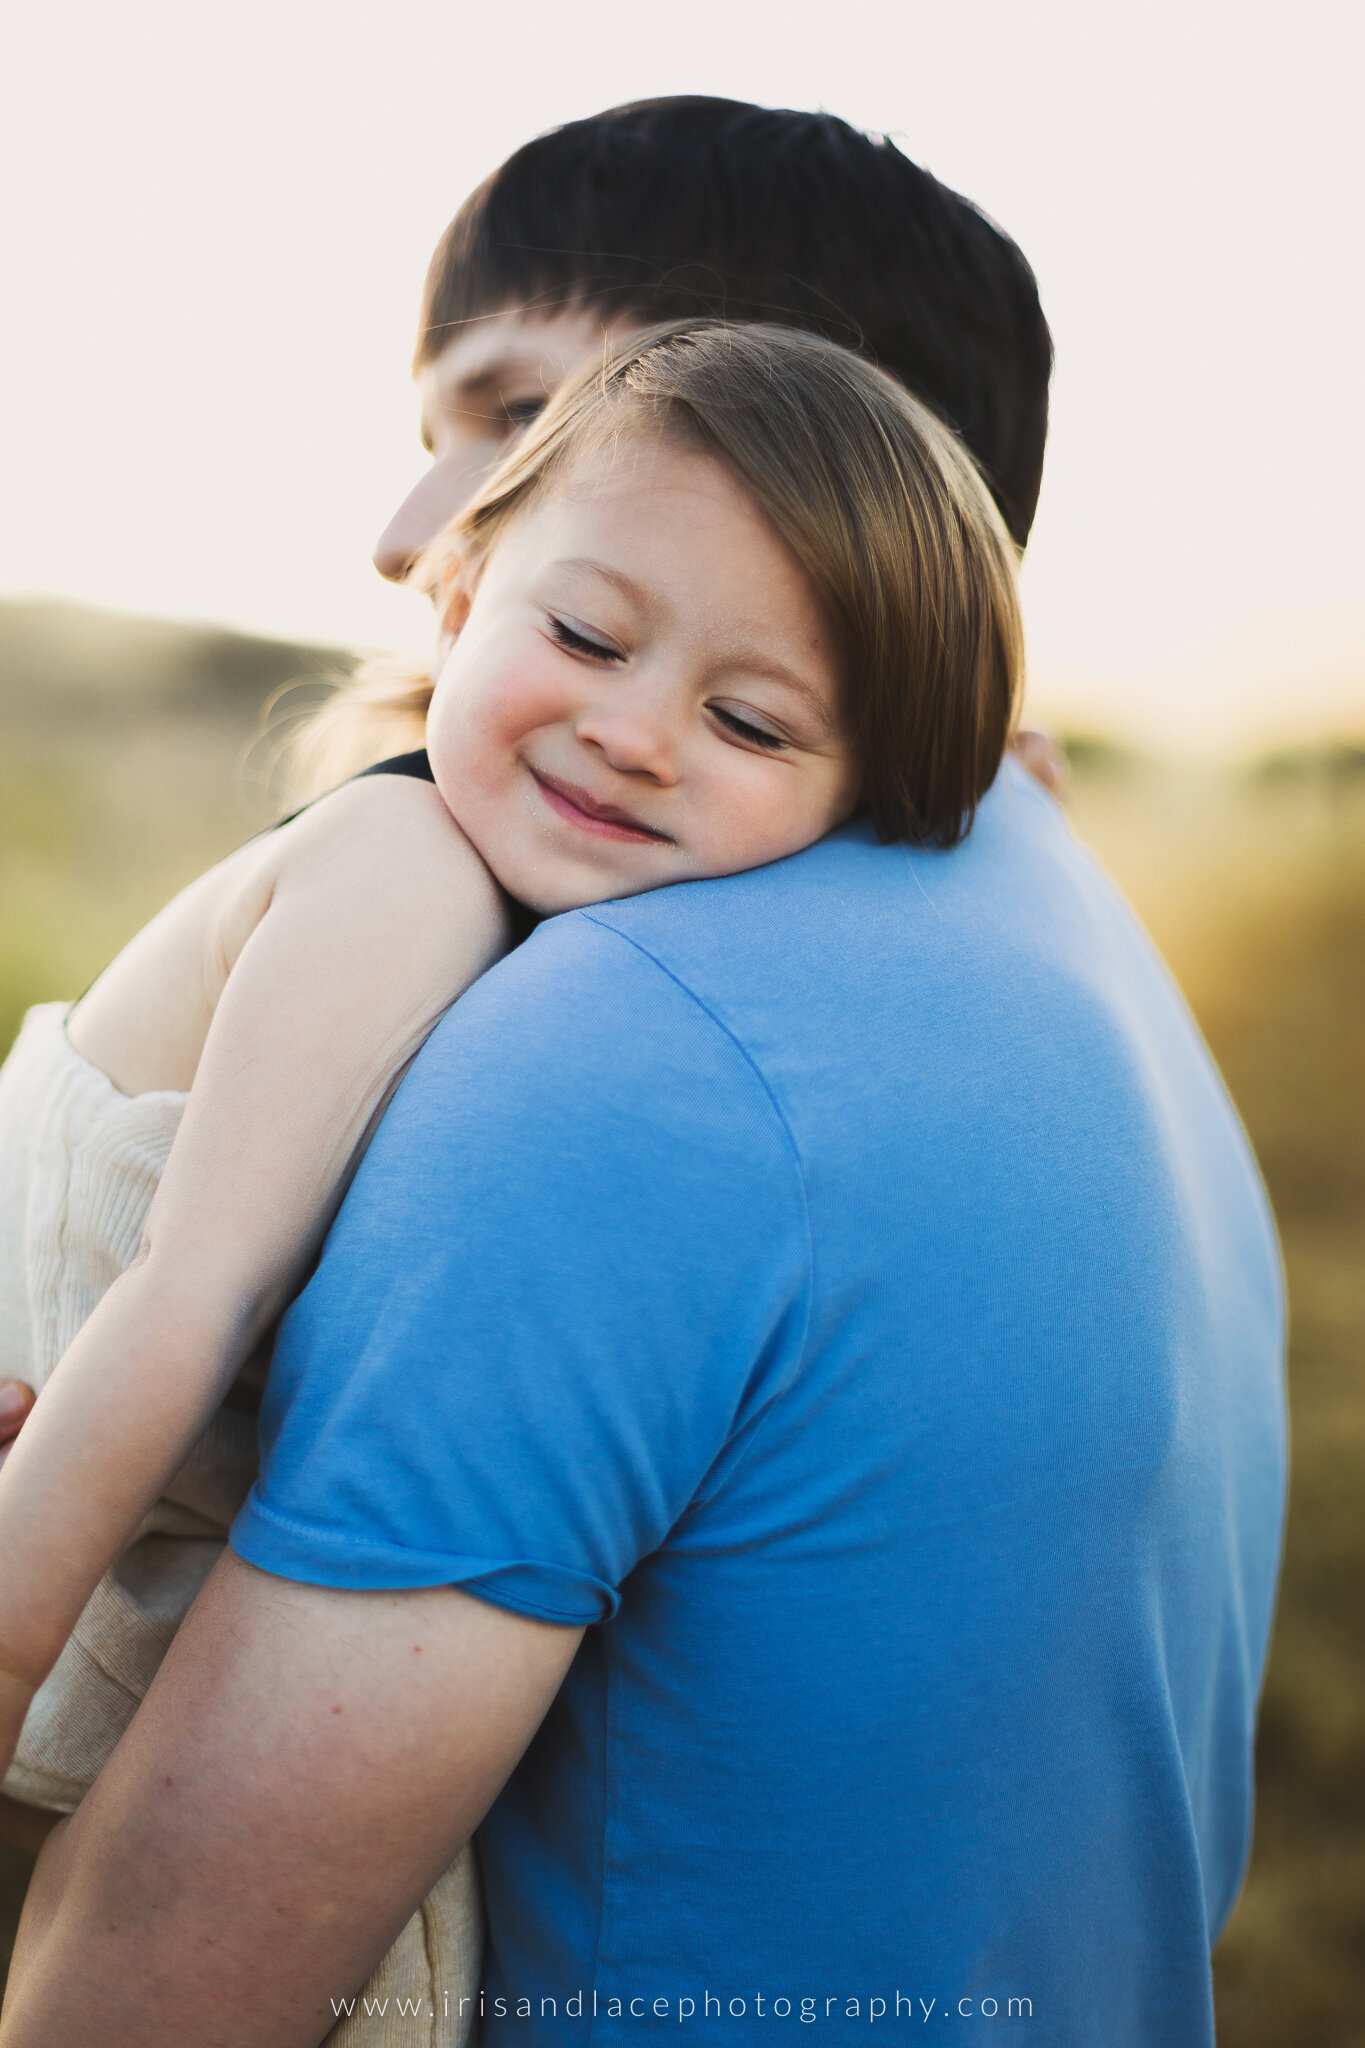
[
  {"x": 424, "y": 511},
  {"x": 632, "y": 732}
]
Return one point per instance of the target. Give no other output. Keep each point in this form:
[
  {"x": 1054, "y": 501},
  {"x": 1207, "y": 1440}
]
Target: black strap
[{"x": 417, "y": 765}]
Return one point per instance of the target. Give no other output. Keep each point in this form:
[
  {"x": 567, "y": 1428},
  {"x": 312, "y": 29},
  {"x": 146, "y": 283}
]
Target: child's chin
[{"x": 553, "y": 897}]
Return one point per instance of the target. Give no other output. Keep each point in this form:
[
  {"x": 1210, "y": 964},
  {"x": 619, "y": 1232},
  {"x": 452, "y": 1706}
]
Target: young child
[
  {"x": 691, "y": 207},
  {"x": 731, "y": 589}
]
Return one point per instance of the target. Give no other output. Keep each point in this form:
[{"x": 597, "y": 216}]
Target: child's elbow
[{"x": 180, "y": 1301}]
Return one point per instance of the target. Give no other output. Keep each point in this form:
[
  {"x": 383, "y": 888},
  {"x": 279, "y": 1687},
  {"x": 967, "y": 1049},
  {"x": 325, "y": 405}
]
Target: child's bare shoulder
[
  {"x": 383, "y": 838},
  {"x": 376, "y": 879},
  {"x": 386, "y": 854},
  {"x": 387, "y": 818}
]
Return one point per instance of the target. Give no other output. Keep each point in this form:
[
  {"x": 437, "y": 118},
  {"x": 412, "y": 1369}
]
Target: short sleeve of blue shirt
[{"x": 571, "y": 1274}]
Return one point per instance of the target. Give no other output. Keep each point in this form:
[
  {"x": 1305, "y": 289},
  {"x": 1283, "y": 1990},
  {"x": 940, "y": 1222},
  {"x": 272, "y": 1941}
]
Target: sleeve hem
[{"x": 314, "y": 1556}]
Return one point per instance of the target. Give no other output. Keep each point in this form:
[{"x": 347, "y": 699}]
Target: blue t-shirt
[{"x": 847, "y": 1289}]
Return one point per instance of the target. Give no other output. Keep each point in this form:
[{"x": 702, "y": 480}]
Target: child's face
[{"x": 643, "y": 689}]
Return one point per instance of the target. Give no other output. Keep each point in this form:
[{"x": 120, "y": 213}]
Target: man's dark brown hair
[{"x": 691, "y": 208}]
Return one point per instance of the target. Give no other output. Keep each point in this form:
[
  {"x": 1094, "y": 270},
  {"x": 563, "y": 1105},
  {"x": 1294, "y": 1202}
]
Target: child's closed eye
[
  {"x": 746, "y": 728},
  {"x": 573, "y": 636}
]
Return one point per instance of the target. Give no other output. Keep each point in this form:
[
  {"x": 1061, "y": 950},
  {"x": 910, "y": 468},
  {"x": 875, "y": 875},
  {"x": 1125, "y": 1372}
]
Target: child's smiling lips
[{"x": 580, "y": 808}]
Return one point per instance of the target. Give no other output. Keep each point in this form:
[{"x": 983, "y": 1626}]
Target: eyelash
[
  {"x": 578, "y": 643},
  {"x": 756, "y": 735}
]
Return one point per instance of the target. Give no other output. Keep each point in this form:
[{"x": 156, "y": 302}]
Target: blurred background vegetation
[{"x": 131, "y": 757}]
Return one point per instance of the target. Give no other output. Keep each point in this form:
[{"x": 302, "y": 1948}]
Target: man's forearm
[{"x": 305, "y": 1765}]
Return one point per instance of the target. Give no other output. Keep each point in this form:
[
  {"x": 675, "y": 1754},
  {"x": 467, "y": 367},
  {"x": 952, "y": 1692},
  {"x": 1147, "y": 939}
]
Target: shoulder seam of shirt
[
  {"x": 752, "y": 1064},
  {"x": 725, "y": 1031}
]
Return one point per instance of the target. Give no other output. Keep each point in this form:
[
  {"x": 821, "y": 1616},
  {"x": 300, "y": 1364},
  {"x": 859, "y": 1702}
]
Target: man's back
[{"x": 856, "y": 1270}]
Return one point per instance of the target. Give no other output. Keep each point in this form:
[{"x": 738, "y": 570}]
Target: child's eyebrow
[{"x": 618, "y": 578}]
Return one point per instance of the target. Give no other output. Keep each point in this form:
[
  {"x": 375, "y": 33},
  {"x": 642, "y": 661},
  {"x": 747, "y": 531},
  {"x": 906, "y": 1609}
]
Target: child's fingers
[
  {"x": 1044, "y": 759},
  {"x": 25, "y": 1827},
  {"x": 16, "y": 1405}
]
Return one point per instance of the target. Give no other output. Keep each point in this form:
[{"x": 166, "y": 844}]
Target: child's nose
[{"x": 632, "y": 736}]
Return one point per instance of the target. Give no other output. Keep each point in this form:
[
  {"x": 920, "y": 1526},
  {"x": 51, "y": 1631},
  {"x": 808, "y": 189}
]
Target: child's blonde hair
[{"x": 881, "y": 505}]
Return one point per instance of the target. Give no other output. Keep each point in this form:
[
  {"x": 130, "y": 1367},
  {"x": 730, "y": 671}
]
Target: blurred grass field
[
  {"x": 1254, "y": 886},
  {"x": 124, "y": 773}
]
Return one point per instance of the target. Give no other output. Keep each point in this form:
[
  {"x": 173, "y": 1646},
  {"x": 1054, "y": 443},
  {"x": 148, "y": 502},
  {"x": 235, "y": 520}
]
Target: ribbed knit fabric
[{"x": 79, "y": 1164}]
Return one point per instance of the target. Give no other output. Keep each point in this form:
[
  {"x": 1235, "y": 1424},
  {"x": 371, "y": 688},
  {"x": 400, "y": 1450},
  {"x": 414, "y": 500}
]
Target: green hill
[{"x": 60, "y": 660}]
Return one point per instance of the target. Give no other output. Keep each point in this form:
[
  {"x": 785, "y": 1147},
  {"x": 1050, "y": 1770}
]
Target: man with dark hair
[
  {"x": 688, "y": 206},
  {"x": 693, "y": 206}
]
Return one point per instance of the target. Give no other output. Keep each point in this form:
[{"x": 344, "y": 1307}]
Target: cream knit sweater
[{"x": 79, "y": 1164}]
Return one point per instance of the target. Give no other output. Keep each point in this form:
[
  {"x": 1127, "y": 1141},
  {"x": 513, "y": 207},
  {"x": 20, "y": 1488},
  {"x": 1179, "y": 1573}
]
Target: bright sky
[{"x": 218, "y": 219}]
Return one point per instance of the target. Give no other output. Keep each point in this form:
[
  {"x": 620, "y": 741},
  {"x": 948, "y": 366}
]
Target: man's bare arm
[{"x": 304, "y": 1767}]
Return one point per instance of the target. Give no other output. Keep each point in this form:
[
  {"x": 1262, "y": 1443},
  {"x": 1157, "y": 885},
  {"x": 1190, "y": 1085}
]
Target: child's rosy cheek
[{"x": 536, "y": 696}]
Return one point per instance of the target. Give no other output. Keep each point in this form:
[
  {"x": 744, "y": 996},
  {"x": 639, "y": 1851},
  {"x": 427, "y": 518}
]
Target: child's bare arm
[{"x": 378, "y": 914}]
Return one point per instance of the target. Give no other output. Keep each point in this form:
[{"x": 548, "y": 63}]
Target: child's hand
[
  {"x": 15, "y": 1700},
  {"x": 25, "y": 1827},
  {"x": 16, "y": 1405},
  {"x": 1044, "y": 759}
]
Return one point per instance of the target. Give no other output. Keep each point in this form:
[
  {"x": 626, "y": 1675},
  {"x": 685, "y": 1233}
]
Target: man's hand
[
  {"x": 304, "y": 1767},
  {"x": 16, "y": 1405},
  {"x": 1045, "y": 761}
]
